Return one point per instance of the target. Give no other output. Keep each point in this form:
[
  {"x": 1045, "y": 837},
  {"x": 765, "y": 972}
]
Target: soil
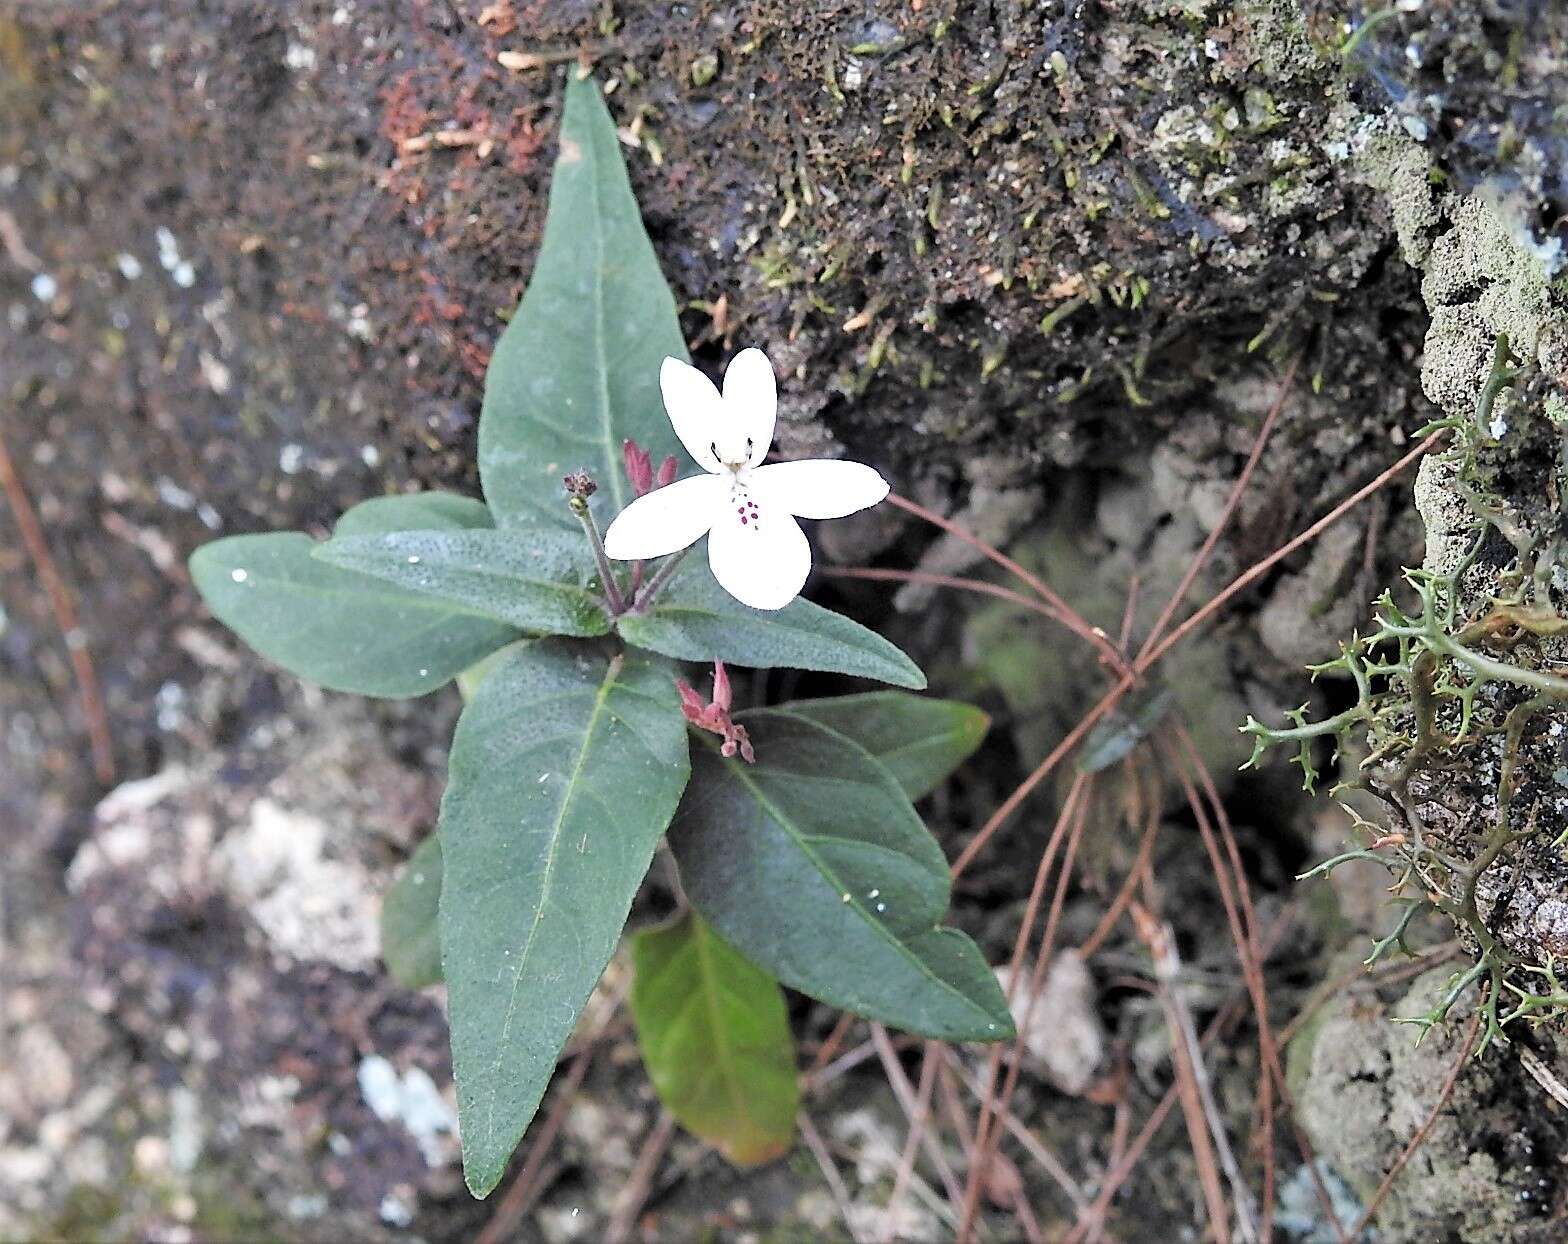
[{"x": 1041, "y": 262}]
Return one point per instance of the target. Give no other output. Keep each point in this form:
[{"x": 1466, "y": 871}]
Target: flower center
[
  {"x": 745, "y": 508},
  {"x": 733, "y": 457}
]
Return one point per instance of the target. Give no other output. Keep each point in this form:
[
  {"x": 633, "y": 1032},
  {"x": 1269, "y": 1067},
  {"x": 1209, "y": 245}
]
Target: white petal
[
  {"x": 695, "y": 409},
  {"x": 752, "y": 399},
  {"x": 762, "y": 562},
  {"x": 666, "y": 520},
  {"x": 820, "y": 487}
]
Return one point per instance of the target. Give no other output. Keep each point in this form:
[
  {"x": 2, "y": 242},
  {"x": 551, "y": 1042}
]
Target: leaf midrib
[
  {"x": 827, "y": 873},
  {"x": 411, "y": 597},
  {"x": 726, "y": 1073},
  {"x": 602, "y": 372},
  {"x": 601, "y": 697}
]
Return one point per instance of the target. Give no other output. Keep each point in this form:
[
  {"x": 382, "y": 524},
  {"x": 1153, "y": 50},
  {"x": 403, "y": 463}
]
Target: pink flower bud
[
  {"x": 667, "y": 470},
  {"x": 639, "y": 467},
  {"x": 721, "y": 686},
  {"x": 693, "y": 707}
]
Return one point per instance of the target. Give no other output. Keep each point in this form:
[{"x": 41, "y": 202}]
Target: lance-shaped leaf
[
  {"x": 815, "y": 866},
  {"x": 921, "y": 740},
  {"x": 715, "y": 1037},
  {"x": 539, "y": 579},
  {"x": 345, "y": 630},
  {"x": 577, "y": 370},
  {"x": 410, "y": 936},
  {"x": 694, "y": 619},
  {"x": 566, "y": 767}
]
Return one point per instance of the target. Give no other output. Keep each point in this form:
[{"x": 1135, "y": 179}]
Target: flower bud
[{"x": 639, "y": 467}]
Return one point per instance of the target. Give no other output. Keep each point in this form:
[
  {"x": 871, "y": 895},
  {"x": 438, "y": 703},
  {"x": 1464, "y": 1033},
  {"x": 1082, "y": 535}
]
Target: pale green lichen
[{"x": 1434, "y": 682}]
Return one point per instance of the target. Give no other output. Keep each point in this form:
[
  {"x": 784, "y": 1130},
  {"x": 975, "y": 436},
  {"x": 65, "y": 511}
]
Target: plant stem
[
  {"x": 660, "y": 577},
  {"x": 612, "y": 589}
]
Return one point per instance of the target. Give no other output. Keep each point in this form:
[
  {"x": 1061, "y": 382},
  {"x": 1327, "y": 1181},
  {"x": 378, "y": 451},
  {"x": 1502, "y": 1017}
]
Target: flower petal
[
  {"x": 762, "y": 562},
  {"x": 820, "y": 487},
  {"x": 752, "y": 400},
  {"x": 666, "y": 520},
  {"x": 695, "y": 409}
]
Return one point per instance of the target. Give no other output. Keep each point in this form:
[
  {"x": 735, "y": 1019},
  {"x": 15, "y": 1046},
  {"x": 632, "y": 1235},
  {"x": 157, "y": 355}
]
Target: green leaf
[
  {"x": 577, "y": 370},
  {"x": 815, "y": 866},
  {"x": 346, "y": 631},
  {"x": 920, "y": 740},
  {"x": 417, "y": 511},
  {"x": 410, "y": 935},
  {"x": 694, "y": 619},
  {"x": 566, "y": 767},
  {"x": 1116, "y": 734},
  {"x": 541, "y": 580},
  {"x": 715, "y": 1038}
]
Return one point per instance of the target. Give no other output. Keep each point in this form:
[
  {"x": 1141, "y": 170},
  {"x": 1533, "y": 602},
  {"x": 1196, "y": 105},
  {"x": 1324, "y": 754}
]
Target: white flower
[{"x": 756, "y": 548}]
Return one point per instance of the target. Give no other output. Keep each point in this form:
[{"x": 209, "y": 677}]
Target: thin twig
[
  {"x": 1192, "y": 1077},
  {"x": 1150, "y": 659},
  {"x": 815, "y": 1081},
  {"x": 1041, "y": 771},
  {"x": 926, "y": 578},
  {"x": 60, "y": 602},
  {"x": 1195, "y": 567},
  {"x": 15, "y": 246},
  {"x": 1249, "y": 576},
  {"x": 1362, "y": 976},
  {"x": 632, "y": 1197},
  {"x": 1069, "y": 616},
  {"x": 530, "y": 1181},
  {"x": 1140, "y": 865},
  {"x": 829, "y": 1047},
  {"x": 835, "y": 1181},
  {"x": 1416, "y": 1141},
  {"x": 525, "y": 1189},
  {"x": 1092, "y": 1221},
  {"x": 1543, "y": 1075},
  {"x": 1032, "y": 1144},
  {"x": 1073, "y": 818},
  {"x": 1244, "y": 931},
  {"x": 909, "y": 1101},
  {"x": 919, "y": 1116}
]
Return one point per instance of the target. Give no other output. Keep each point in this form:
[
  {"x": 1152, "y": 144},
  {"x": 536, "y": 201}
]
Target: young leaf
[
  {"x": 815, "y": 866},
  {"x": 919, "y": 739},
  {"x": 541, "y": 580},
  {"x": 346, "y": 631},
  {"x": 694, "y": 619},
  {"x": 410, "y": 938},
  {"x": 566, "y": 767},
  {"x": 715, "y": 1037},
  {"x": 577, "y": 370}
]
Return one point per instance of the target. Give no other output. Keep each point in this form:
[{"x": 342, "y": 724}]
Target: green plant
[
  {"x": 1442, "y": 690},
  {"x": 580, "y": 744}
]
